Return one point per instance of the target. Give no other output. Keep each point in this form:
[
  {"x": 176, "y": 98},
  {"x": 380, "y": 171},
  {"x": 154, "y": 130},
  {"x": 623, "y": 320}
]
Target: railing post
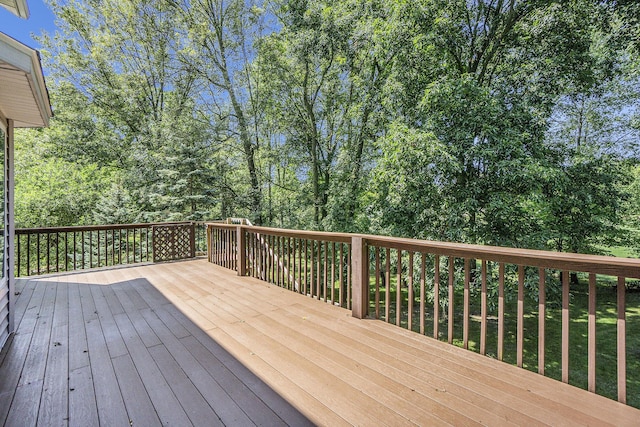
[
  {"x": 192, "y": 239},
  {"x": 242, "y": 244},
  {"x": 209, "y": 244},
  {"x": 360, "y": 277}
]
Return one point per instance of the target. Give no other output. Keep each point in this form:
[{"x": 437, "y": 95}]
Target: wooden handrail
[
  {"x": 599, "y": 264},
  {"x": 78, "y": 228}
]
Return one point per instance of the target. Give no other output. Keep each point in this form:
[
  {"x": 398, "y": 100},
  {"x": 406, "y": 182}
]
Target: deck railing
[
  {"x": 59, "y": 249},
  {"x": 513, "y": 304},
  {"x": 312, "y": 263}
]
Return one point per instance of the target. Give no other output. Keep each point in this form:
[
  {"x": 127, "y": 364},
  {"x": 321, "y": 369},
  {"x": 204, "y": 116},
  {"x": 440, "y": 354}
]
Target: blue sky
[{"x": 20, "y": 29}]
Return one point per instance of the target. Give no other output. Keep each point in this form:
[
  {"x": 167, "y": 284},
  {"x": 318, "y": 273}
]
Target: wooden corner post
[
  {"x": 360, "y": 277},
  {"x": 242, "y": 252}
]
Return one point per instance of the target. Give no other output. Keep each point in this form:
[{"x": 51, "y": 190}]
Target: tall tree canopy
[{"x": 490, "y": 121}]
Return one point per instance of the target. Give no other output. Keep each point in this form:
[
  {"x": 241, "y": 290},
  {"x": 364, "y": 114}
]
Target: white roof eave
[
  {"x": 22, "y": 65},
  {"x": 17, "y": 7}
]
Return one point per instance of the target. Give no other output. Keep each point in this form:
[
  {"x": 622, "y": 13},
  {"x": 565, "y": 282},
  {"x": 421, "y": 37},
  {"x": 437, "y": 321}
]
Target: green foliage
[
  {"x": 506, "y": 123},
  {"x": 115, "y": 207},
  {"x": 51, "y": 191}
]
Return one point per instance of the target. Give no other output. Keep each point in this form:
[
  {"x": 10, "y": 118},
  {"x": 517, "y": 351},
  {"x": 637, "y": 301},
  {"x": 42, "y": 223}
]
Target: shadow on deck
[{"x": 191, "y": 343}]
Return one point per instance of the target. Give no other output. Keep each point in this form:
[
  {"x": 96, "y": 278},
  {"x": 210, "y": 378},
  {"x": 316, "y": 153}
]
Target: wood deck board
[
  {"x": 169, "y": 410},
  {"x": 83, "y": 410},
  {"x": 395, "y": 396},
  {"x": 190, "y": 343}
]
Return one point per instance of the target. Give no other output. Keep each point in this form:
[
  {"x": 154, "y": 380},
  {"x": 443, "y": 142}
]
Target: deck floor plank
[
  {"x": 165, "y": 402},
  {"x": 10, "y": 371},
  {"x": 24, "y": 407},
  {"x": 112, "y": 337},
  {"x": 144, "y": 331},
  {"x": 54, "y": 402},
  {"x": 78, "y": 349},
  {"x": 197, "y": 408},
  {"x": 229, "y": 411},
  {"x": 136, "y": 399},
  {"x": 83, "y": 410},
  {"x": 53, "y": 405},
  {"x": 191, "y": 343},
  {"x": 35, "y": 362},
  {"x": 13, "y": 360},
  {"x": 25, "y": 289},
  {"x": 111, "y": 409}
]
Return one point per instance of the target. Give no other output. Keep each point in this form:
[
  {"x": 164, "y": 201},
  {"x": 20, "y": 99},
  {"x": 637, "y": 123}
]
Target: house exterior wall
[
  {"x": 9, "y": 221},
  {"x": 6, "y": 313}
]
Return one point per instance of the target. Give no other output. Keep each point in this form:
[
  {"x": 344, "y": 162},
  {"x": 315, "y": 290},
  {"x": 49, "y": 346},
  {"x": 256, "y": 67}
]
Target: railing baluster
[
  {"x": 19, "y": 258},
  {"x": 98, "y": 249},
  {"x": 134, "y": 245},
  {"x": 542, "y": 299},
  {"x": 38, "y": 253},
  {"x": 57, "y": 241},
  {"x": 254, "y": 254},
  {"x": 501, "y": 311},
  {"x": 263, "y": 257},
  {"x": 280, "y": 261},
  {"x": 341, "y": 275},
  {"x": 319, "y": 270},
  {"x": 28, "y": 254},
  {"x": 147, "y": 242},
  {"x": 333, "y": 272},
  {"x": 377, "y": 290},
  {"x": 290, "y": 267},
  {"x": 483, "y": 309},
  {"x": 565, "y": 326},
  {"x": 74, "y": 251},
  {"x": 387, "y": 286},
  {"x": 436, "y": 297},
  {"x": 451, "y": 296},
  {"x": 349, "y": 277},
  {"x": 592, "y": 334},
  {"x": 300, "y": 277},
  {"x": 325, "y": 272},
  {"x": 520, "y": 324},
  {"x": 410, "y": 294},
  {"x": 83, "y": 251},
  {"x": 465, "y": 303},
  {"x": 399, "y": 287},
  {"x": 622, "y": 342},
  {"x": 272, "y": 252},
  {"x": 48, "y": 253},
  {"x": 312, "y": 252},
  {"x": 66, "y": 251},
  {"x": 423, "y": 267},
  {"x": 113, "y": 247}
]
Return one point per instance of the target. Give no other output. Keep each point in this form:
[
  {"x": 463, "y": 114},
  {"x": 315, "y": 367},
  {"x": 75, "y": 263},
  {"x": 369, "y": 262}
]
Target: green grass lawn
[{"x": 606, "y": 335}]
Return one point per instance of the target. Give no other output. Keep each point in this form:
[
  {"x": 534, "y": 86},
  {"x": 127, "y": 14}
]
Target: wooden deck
[{"x": 190, "y": 343}]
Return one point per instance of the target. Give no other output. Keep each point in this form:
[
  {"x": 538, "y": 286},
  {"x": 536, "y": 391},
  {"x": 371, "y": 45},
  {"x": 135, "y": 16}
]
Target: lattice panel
[{"x": 173, "y": 242}]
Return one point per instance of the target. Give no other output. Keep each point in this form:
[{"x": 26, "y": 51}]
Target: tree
[
  {"x": 220, "y": 35},
  {"x": 115, "y": 207},
  {"x": 128, "y": 97},
  {"x": 326, "y": 67}
]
